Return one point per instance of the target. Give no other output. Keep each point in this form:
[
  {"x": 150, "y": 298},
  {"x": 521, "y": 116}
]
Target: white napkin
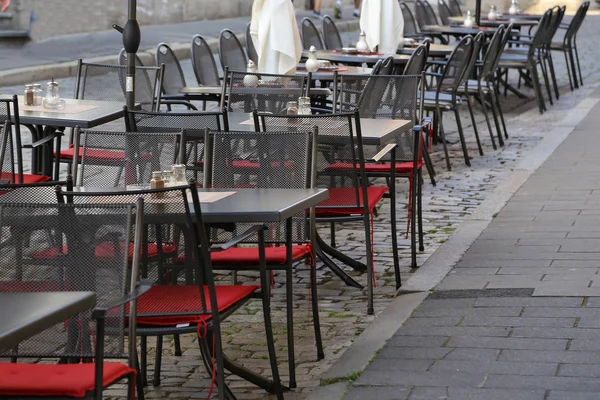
[
  {"x": 275, "y": 35},
  {"x": 382, "y": 22}
]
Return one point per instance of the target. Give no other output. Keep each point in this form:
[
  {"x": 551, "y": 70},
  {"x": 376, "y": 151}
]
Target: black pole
[
  {"x": 478, "y": 12},
  {"x": 131, "y": 43}
]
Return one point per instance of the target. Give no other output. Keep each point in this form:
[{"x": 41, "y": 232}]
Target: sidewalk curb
[
  {"x": 40, "y": 73},
  {"x": 441, "y": 262}
]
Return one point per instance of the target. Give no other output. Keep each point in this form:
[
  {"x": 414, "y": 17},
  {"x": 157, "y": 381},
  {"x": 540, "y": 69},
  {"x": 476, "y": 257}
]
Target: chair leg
[
  {"x": 538, "y": 90},
  {"x": 138, "y": 377},
  {"x": 496, "y": 121},
  {"x": 177, "y": 343},
  {"x": 290, "y": 325},
  {"x": 487, "y": 120},
  {"x": 368, "y": 244},
  {"x": 413, "y": 221},
  {"x": 332, "y": 234},
  {"x": 420, "y": 210},
  {"x": 315, "y": 311},
  {"x": 158, "y": 360},
  {"x": 393, "y": 224},
  {"x": 144, "y": 360},
  {"x": 270, "y": 342},
  {"x": 578, "y": 64},
  {"x": 461, "y": 134},
  {"x": 553, "y": 75},
  {"x": 500, "y": 113},
  {"x": 429, "y": 166},
  {"x": 207, "y": 357},
  {"x": 475, "y": 130},
  {"x": 569, "y": 72},
  {"x": 546, "y": 81},
  {"x": 443, "y": 137}
]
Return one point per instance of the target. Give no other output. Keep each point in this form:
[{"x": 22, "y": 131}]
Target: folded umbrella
[
  {"x": 382, "y": 23},
  {"x": 275, "y": 34}
]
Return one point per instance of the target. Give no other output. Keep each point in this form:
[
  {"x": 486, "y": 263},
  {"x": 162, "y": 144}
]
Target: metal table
[
  {"x": 457, "y": 30},
  {"x": 25, "y": 314},
  {"x": 199, "y": 92},
  {"x": 517, "y": 22},
  {"x": 42, "y": 124},
  {"x": 326, "y": 74},
  {"x": 435, "y": 49},
  {"x": 356, "y": 59}
]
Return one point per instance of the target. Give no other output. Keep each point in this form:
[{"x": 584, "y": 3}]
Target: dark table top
[
  {"x": 435, "y": 49},
  {"x": 458, "y": 30},
  {"x": 217, "y": 90},
  {"x": 374, "y": 131},
  {"x": 505, "y": 20},
  {"x": 105, "y": 111},
  {"x": 369, "y": 59},
  {"x": 22, "y": 315}
]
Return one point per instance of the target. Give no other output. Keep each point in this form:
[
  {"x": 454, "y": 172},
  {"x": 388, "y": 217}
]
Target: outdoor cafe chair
[
  {"x": 444, "y": 12},
  {"x": 310, "y": 35},
  {"x": 393, "y": 97},
  {"x": 274, "y": 160},
  {"x": 90, "y": 347},
  {"x": 455, "y": 10},
  {"x": 173, "y": 80},
  {"x": 331, "y": 34},
  {"x": 568, "y": 45},
  {"x": 444, "y": 97},
  {"x": 192, "y": 124},
  {"x": 271, "y": 93},
  {"x": 351, "y": 198},
  {"x": 11, "y": 148},
  {"x": 250, "y": 48},
  {"x": 205, "y": 68},
  {"x": 122, "y": 59},
  {"x": 426, "y": 16},
  {"x": 184, "y": 304},
  {"x": 231, "y": 52},
  {"x": 410, "y": 24}
]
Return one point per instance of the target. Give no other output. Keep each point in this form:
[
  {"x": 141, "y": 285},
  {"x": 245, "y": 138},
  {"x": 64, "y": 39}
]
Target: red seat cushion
[
  {"x": 250, "y": 164},
  {"x": 171, "y": 299},
  {"x": 404, "y": 167},
  {"x": 56, "y": 380},
  {"x": 273, "y": 255},
  {"x": 27, "y": 178},
  {"x": 106, "y": 250},
  {"x": 339, "y": 199},
  {"x": 97, "y": 155}
]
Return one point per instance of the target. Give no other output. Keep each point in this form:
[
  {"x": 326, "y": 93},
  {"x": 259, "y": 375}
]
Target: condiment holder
[
  {"x": 361, "y": 45},
  {"x": 52, "y": 100},
  {"x": 492, "y": 15},
  {"x": 312, "y": 64},
  {"x": 251, "y": 80},
  {"x": 468, "y": 20},
  {"x": 514, "y": 7}
]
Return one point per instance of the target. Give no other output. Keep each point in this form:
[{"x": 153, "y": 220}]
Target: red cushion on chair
[
  {"x": 27, "y": 178},
  {"x": 56, "y": 380},
  {"x": 164, "y": 299},
  {"x": 376, "y": 167},
  {"x": 251, "y": 165},
  {"x": 97, "y": 155},
  {"x": 105, "y": 251},
  {"x": 338, "y": 196},
  {"x": 273, "y": 255}
]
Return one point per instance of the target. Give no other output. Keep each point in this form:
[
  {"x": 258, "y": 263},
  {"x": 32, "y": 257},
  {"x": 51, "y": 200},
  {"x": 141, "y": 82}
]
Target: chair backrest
[
  {"x": 431, "y": 17},
  {"x": 174, "y": 79},
  {"x": 455, "y": 10},
  {"x": 11, "y": 161},
  {"x": 384, "y": 97},
  {"x": 494, "y": 47},
  {"x": 231, "y": 52},
  {"x": 423, "y": 14},
  {"x": 266, "y": 93},
  {"x": 339, "y": 153},
  {"x": 444, "y": 12},
  {"x": 193, "y": 124},
  {"x": 410, "y": 25},
  {"x": 331, "y": 35},
  {"x": 250, "y": 49},
  {"x": 558, "y": 12},
  {"x": 387, "y": 66},
  {"x": 311, "y": 35},
  {"x": 576, "y": 22},
  {"x": 453, "y": 74},
  {"x": 122, "y": 59},
  {"x": 32, "y": 193},
  {"x": 65, "y": 248},
  {"x": 203, "y": 62},
  {"x": 106, "y": 82},
  {"x": 478, "y": 42},
  {"x": 118, "y": 159},
  {"x": 541, "y": 34},
  {"x": 418, "y": 59}
]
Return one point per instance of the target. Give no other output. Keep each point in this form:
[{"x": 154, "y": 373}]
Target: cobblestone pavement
[
  {"x": 343, "y": 309},
  {"x": 518, "y": 316}
]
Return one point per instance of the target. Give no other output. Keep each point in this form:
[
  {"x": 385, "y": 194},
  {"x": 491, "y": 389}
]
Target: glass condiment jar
[
  {"x": 251, "y": 80},
  {"x": 304, "y": 106},
  {"x": 468, "y": 20},
  {"x": 28, "y": 95},
  {"x": 292, "y": 108},
  {"x": 362, "y": 45},
  {"x": 37, "y": 94},
  {"x": 157, "y": 182},
  {"x": 312, "y": 64},
  {"x": 167, "y": 177},
  {"x": 178, "y": 177},
  {"x": 514, "y": 7},
  {"x": 492, "y": 15},
  {"x": 52, "y": 99}
]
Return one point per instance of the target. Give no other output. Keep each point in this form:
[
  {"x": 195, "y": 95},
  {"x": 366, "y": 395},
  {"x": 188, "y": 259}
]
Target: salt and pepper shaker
[
  {"x": 251, "y": 80},
  {"x": 468, "y": 20},
  {"x": 492, "y": 14},
  {"x": 178, "y": 175},
  {"x": 514, "y": 7},
  {"x": 304, "y": 106},
  {"x": 28, "y": 95},
  {"x": 157, "y": 182},
  {"x": 312, "y": 64},
  {"x": 362, "y": 45},
  {"x": 52, "y": 99},
  {"x": 37, "y": 94},
  {"x": 292, "y": 108}
]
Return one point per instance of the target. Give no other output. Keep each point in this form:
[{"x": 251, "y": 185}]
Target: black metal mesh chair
[
  {"x": 173, "y": 80},
  {"x": 455, "y": 10},
  {"x": 122, "y": 59},
  {"x": 31, "y": 193},
  {"x": 118, "y": 159},
  {"x": 231, "y": 52},
  {"x": 193, "y": 124},
  {"x": 91, "y": 345},
  {"x": 444, "y": 12},
  {"x": 181, "y": 303},
  {"x": 271, "y": 94},
  {"x": 392, "y": 97},
  {"x": 445, "y": 97},
  {"x": 410, "y": 25},
  {"x": 418, "y": 59},
  {"x": 569, "y": 45},
  {"x": 311, "y": 35},
  {"x": 11, "y": 148},
  {"x": 331, "y": 35},
  {"x": 203, "y": 62},
  {"x": 268, "y": 160},
  {"x": 340, "y": 167},
  {"x": 250, "y": 48},
  {"x": 426, "y": 16},
  {"x": 431, "y": 17}
]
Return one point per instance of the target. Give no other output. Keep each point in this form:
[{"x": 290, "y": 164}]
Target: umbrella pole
[
  {"x": 131, "y": 43},
  {"x": 478, "y": 12}
]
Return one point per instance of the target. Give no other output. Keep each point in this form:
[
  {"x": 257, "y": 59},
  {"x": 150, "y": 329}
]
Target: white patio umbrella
[
  {"x": 382, "y": 23},
  {"x": 275, "y": 35}
]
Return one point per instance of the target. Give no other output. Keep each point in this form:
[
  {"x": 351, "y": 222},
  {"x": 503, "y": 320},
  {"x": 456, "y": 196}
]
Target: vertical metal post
[
  {"x": 131, "y": 43},
  {"x": 478, "y": 12}
]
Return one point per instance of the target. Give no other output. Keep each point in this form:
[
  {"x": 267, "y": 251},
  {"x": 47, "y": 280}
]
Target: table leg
[{"x": 322, "y": 255}]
